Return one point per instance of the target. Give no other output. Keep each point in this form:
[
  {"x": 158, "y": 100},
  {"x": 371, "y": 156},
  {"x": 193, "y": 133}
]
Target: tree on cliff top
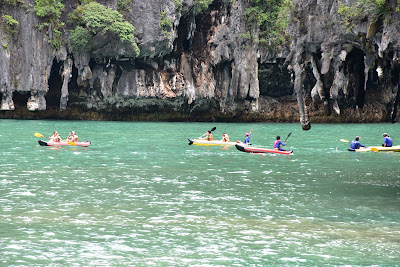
[
  {"x": 270, "y": 17},
  {"x": 95, "y": 19},
  {"x": 50, "y": 12}
]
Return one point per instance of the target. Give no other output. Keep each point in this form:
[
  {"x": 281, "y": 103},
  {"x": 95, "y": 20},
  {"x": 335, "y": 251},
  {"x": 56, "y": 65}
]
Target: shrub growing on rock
[{"x": 95, "y": 19}]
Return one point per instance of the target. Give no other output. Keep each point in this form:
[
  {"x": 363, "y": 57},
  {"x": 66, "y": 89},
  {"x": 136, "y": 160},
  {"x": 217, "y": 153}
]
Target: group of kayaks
[{"x": 239, "y": 146}]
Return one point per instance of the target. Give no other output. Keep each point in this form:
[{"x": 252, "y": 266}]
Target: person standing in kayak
[
  {"x": 247, "y": 137},
  {"x": 278, "y": 143},
  {"x": 387, "y": 141},
  {"x": 355, "y": 144}
]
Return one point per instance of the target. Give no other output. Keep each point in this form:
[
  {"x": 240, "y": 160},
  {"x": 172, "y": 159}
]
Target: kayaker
[
  {"x": 72, "y": 137},
  {"x": 209, "y": 136},
  {"x": 247, "y": 137},
  {"x": 225, "y": 138},
  {"x": 278, "y": 143},
  {"x": 387, "y": 141},
  {"x": 55, "y": 137},
  {"x": 355, "y": 144}
]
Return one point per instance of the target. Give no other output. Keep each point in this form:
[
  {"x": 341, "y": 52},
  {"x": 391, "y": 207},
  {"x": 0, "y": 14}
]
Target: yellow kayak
[
  {"x": 202, "y": 142},
  {"x": 385, "y": 149},
  {"x": 376, "y": 149}
]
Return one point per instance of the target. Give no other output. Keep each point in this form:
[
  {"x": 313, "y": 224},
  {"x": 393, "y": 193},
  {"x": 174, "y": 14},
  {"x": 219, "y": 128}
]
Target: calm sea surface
[{"x": 141, "y": 196}]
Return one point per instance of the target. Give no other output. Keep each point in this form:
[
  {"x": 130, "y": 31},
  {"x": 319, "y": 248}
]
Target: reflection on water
[{"x": 141, "y": 196}]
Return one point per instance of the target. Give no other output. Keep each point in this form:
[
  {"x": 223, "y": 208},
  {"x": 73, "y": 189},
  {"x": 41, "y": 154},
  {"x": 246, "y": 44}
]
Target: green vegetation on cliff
[
  {"x": 166, "y": 25},
  {"x": 270, "y": 17},
  {"x": 9, "y": 24},
  {"x": 374, "y": 10},
  {"x": 50, "y": 12},
  {"x": 95, "y": 19},
  {"x": 202, "y": 5}
]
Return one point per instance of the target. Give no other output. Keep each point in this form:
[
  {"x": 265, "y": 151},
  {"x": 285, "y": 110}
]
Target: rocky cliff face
[
  {"x": 355, "y": 68},
  {"x": 201, "y": 67}
]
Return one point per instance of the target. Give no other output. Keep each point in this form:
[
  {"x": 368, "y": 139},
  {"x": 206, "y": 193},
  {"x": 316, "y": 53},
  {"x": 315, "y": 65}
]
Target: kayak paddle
[
  {"x": 374, "y": 149},
  {"x": 38, "y": 135},
  {"x": 212, "y": 129},
  {"x": 288, "y": 136},
  {"x": 344, "y": 141},
  {"x": 71, "y": 143}
]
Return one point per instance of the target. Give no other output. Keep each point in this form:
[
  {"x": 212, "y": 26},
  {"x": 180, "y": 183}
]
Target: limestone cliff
[
  {"x": 355, "y": 66},
  {"x": 198, "y": 65}
]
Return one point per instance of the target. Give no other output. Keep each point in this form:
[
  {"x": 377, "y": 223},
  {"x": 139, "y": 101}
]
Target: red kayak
[
  {"x": 252, "y": 149},
  {"x": 83, "y": 144}
]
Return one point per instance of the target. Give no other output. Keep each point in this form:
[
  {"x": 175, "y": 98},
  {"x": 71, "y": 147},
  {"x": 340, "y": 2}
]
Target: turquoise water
[{"x": 140, "y": 196}]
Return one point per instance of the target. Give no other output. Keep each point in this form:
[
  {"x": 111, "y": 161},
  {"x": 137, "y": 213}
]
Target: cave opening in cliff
[
  {"x": 183, "y": 40},
  {"x": 55, "y": 84},
  {"x": 354, "y": 70},
  {"x": 274, "y": 79},
  {"x": 20, "y": 99}
]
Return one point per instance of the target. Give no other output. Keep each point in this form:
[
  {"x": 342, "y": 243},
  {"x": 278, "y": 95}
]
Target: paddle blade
[
  {"x": 213, "y": 129},
  {"x": 344, "y": 141},
  {"x": 374, "y": 149},
  {"x": 38, "y": 135},
  {"x": 288, "y": 136},
  {"x": 71, "y": 143}
]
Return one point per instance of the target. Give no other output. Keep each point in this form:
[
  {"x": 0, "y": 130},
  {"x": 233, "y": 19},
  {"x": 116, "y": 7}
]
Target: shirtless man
[
  {"x": 55, "y": 137},
  {"x": 72, "y": 137}
]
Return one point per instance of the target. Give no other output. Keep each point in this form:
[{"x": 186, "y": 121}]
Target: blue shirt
[
  {"x": 278, "y": 144},
  {"x": 247, "y": 139},
  {"x": 355, "y": 144},
  {"x": 387, "y": 141}
]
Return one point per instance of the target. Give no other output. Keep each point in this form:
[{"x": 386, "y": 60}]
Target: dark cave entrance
[
  {"x": 354, "y": 70},
  {"x": 20, "y": 99},
  {"x": 55, "y": 84},
  {"x": 274, "y": 79},
  {"x": 73, "y": 87}
]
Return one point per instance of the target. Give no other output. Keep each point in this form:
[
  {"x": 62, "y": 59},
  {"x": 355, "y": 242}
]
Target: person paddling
[
  {"x": 278, "y": 143},
  {"x": 355, "y": 144},
  {"x": 72, "y": 137},
  {"x": 55, "y": 137},
  {"x": 247, "y": 137},
  {"x": 387, "y": 141},
  {"x": 209, "y": 136}
]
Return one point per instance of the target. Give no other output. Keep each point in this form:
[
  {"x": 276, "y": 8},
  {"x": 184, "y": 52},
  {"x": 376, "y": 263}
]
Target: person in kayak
[
  {"x": 72, "y": 137},
  {"x": 225, "y": 138},
  {"x": 247, "y": 137},
  {"x": 278, "y": 143},
  {"x": 209, "y": 136},
  {"x": 55, "y": 137},
  {"x": 355, "y": 144},
  {"x": 387, "y": 141}
]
